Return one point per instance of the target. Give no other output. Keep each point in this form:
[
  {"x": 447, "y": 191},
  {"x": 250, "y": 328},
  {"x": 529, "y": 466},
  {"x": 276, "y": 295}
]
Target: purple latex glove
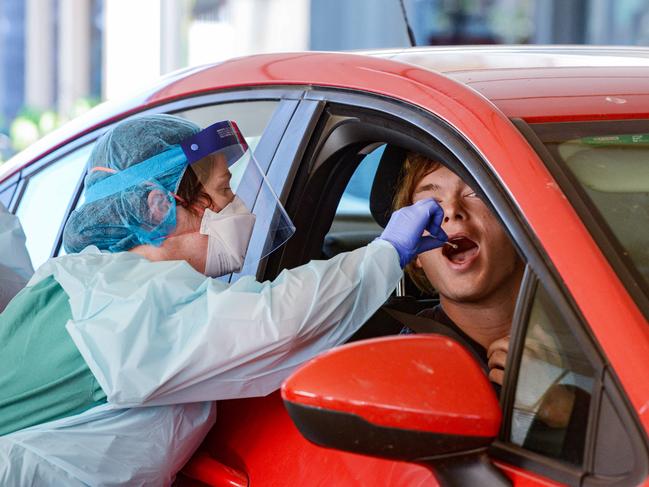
[{"x": 406, "y": 227}]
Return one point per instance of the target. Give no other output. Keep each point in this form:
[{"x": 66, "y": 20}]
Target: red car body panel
[
  {"x": 259, "y": 438},
  {"x": 534, "y": 94},
  {"x": 477, "y": 103},
  {"x": 524, "y": 478},
  {"x": 274, "y": 453},
  {"x": 561, "y": 94}
]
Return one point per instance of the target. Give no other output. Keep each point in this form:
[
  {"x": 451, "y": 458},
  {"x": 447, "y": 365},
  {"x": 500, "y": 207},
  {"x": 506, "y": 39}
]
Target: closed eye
[{"x": 427, "y": 192}]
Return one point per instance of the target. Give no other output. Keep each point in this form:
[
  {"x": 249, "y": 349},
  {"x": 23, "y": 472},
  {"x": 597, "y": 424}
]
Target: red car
[{"x": 556, "y": 140}]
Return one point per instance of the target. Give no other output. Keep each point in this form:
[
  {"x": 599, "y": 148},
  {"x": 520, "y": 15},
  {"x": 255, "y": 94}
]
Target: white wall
[
  {"x": 146, "y": 38},
  {"x": 250, "y": 27},
  {"x": 131, "y": 46},
  {"x": 39, "y": 55},
  {"x": 74, "y": 53}
]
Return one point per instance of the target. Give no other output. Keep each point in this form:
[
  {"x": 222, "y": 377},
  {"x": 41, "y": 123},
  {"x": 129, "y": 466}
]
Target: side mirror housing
[{"x": 414, "y": 398}]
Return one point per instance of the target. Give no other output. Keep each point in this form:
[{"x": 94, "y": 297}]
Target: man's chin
[
  {"x": 462, "y": 291},
  {"x": 462, "y": 297}
]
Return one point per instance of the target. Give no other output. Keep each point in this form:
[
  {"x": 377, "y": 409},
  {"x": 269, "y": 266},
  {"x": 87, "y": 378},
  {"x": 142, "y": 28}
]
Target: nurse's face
[
  {"x": 187, "y": 243},
  {"x": 217, "y": 184},
  {"x": 485, "y": 259}
]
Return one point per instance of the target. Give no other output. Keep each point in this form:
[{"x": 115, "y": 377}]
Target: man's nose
[{"x": 454, "y": 210}]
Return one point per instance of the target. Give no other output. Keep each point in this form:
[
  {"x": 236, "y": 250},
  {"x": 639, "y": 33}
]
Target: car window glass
[
  {"x": 615, "y": 175},
  {"x": 553, "y": 390},
  {"x": 42, "y": 207},
  {"x": 611, "y": 168},
  {"x": 355, "y": 201},
  {"x": 6, "y": 194}
]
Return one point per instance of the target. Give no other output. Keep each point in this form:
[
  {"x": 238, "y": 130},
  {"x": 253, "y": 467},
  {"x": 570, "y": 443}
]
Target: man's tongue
[{"x": 466, "y": 248}]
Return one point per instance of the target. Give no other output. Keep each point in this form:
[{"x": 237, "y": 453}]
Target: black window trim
[{"x": 18, "y": 194}]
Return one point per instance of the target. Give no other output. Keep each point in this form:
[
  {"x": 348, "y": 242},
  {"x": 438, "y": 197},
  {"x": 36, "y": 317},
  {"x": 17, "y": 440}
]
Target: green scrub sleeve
[{"x": 43, "y": 376}]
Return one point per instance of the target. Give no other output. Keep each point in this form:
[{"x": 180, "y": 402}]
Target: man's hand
[{"x": 497, "y": 356}]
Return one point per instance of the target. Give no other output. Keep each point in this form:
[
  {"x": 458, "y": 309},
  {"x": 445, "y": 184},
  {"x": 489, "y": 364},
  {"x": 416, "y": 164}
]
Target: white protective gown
[
  {"x": 15, "y": 264},
  {"x": 161, "y": 334}
]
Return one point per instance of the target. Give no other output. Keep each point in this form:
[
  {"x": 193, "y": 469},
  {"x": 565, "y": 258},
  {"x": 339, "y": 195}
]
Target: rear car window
[{"x": 610, "y": 168}]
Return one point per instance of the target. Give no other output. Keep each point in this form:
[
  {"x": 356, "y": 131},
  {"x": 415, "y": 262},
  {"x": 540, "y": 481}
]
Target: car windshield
[{"x": 609, "y": 164}]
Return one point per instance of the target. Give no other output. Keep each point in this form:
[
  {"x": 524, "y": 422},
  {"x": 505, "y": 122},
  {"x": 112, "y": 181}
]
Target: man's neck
[{"x": 486, "y": 320}]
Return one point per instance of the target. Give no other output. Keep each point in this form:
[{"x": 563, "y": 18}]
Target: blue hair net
[{"x": 125, "y": 219}]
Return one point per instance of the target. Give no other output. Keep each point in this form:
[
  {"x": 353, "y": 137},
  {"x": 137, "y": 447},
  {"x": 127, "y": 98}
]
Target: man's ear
[
  {"x": 159, "y": 205},
  {"x": 418, "y": 263}
]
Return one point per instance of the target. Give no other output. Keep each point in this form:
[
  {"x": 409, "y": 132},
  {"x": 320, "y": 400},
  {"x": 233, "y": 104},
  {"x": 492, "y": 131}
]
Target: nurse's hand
[{"x": 406, "y": 227}]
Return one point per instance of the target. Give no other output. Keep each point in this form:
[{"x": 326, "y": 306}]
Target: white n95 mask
[{"x": 228, "y": 232}]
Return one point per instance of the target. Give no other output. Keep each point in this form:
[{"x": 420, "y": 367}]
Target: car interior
[
  {"x": 351, "y": 212},
  {"x": 605, "y": 166},
  {"x": 343, "y": 189},
  {"x": 354, "y": 174}
]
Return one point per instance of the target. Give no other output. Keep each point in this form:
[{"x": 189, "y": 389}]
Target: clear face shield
[{"x": 214, "y": 163}]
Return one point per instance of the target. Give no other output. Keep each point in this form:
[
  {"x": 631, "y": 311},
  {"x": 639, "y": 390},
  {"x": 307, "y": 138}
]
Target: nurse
[{"x": 119, "y": 348}]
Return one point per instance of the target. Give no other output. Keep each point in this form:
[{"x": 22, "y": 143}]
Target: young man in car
[{"x": 478, "y": 278}]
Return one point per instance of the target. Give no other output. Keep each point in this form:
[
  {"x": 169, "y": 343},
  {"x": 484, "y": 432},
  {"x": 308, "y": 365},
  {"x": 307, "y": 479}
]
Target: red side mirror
[{"x": 409, "y": 397}]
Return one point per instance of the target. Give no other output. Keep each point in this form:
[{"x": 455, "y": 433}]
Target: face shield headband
[{"x": 149, "y": 210}]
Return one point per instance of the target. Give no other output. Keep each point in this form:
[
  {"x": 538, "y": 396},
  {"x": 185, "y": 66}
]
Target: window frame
[
  {"x": 605, "y": 384},
  {"x": 9, "y": 188},
  {"x": 517, "y": 455}
]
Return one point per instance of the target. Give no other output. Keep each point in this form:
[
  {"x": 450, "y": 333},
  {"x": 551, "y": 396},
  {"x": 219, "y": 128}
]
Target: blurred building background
[{"x": 60, "y": 57}]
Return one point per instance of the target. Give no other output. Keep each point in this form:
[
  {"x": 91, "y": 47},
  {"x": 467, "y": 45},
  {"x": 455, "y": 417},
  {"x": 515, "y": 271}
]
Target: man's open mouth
[{"x": 465, "y": 249}]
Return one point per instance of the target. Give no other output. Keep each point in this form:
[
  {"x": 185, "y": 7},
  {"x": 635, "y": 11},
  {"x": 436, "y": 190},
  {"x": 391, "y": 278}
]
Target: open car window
[{"x": 353, "y": 225}]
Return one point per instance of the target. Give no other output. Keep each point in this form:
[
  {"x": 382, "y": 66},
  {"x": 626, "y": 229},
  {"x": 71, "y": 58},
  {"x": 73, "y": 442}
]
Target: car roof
[
  {"x": 546, "y": 83},
  {"x": 535, "y": 83}
]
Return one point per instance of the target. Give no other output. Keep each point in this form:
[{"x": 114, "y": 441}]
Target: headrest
[{"x": 385, "y": 183}]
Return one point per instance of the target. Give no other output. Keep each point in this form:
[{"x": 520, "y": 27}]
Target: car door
[{"x": 489, "y": 153}]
